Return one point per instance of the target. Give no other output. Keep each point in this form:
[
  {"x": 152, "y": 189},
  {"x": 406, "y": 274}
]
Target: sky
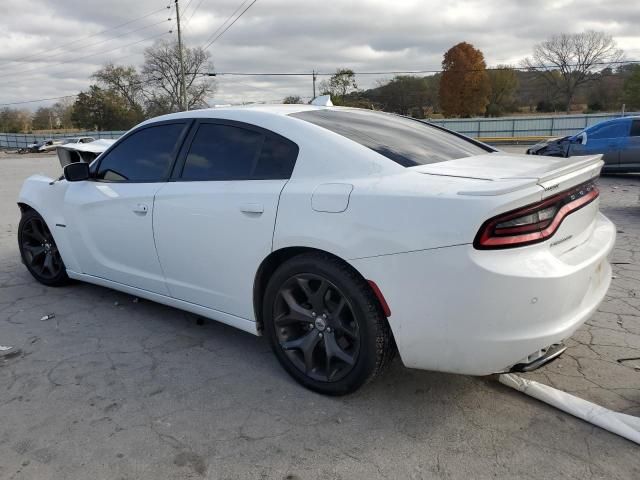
[{"x": 50, "y": 48}]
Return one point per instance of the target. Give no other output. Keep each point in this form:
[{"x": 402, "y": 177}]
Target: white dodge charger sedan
[{"x": 340, "y": 234}]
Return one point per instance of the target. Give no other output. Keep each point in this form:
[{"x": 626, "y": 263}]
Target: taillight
[{"x": 533, "y": 223}]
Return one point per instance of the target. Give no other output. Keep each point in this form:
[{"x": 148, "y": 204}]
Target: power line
[
  {"x": 91, "y": 55},
  {"x": 403, "y": 72},
  {"x": 230, "y": 25},
  {"x": 308, "y": 74},
  {"x": 132, "y": 84},
  {"x": 107, "y": 39},
  {"x": 193, "y": 12},
  {"x": 38, "y": 100},
  {"x": 227, "y": 20},
  {"x": 24, "y": 59}
]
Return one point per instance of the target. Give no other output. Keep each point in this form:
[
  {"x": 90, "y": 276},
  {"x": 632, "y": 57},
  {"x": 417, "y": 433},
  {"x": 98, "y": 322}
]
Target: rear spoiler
[{"x": 577, "y": 170}]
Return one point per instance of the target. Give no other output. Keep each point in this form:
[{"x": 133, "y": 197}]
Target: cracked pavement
[{"x": 118, "y": 389}]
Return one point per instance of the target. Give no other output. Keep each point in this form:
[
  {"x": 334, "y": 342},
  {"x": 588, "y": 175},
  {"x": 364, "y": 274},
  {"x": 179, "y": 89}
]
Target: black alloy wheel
[
  {"x": 316, "y": 327},
  {"x": 39, "y": 251},
  {"x": 325, "y": 324}
]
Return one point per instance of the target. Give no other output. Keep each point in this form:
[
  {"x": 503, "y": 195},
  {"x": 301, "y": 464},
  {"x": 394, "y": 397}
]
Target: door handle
[
  {"x": 141, "y": 208},
  {"x": 252, "y": 208}
]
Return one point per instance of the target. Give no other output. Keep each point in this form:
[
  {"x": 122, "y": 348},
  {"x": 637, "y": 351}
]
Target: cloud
[{"x": 284, "y": 35}]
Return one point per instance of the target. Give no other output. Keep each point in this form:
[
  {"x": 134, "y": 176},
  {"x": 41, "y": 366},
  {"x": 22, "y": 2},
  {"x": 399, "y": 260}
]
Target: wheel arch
[{"x": 277, "y": 258}]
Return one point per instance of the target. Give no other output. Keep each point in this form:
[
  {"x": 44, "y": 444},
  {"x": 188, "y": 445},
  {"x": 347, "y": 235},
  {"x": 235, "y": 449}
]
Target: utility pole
[
  {"x": 183, "y": 85},
  {"x": 314, "y": 83}
]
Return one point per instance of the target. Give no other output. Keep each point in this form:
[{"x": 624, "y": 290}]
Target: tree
[
  {"x": 125, "y": 81},
  {"x": 292, "y": 99},
  {"x": 574, "y": 57},
  {"x": 407, "y": 95},
  {"x": 503, "y": 81},
  {"x": 339, "y": 85},
  {"x": 14, "y": 121},
  {"x": 102, "y": 109},
  {"x": 632, "y": 88},
  {"x": 161, "y": 72},
  {"x": 44, "y": 119},
  {"x": 464, "y": 84},
  {"x": 63, "y": 110}
]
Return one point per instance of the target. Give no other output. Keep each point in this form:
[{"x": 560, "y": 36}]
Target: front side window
[
  {"x": 405, "y": 141},
  {"x": 609, "y": 130},
  {"x": 227, "y": 152},
  {"x": 144, "y": 156},
  {"x": 635, "y": 129}
]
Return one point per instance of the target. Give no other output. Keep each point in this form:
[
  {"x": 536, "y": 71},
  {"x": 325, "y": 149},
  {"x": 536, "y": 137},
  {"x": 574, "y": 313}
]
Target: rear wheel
[
  {"x": 39, "y": 251},
  {"x": 325, "y": 324}
]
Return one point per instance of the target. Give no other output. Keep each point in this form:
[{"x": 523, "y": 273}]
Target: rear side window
[
  {"x": 610, "y": 130},
  {"x": 227, "y": 152},
  {"x": 635, "y": 129},
  {"x": 403, "y": 140},
  {"x": 144, "y": 156}
]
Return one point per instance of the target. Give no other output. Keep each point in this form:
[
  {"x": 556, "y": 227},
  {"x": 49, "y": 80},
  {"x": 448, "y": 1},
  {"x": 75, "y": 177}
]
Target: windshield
[{"x": 406, "y": 141}]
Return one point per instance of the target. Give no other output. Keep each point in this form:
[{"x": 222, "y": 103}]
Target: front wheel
[
  {"x": 39, "y": 251},
  {"x": 325, "y": 325}
]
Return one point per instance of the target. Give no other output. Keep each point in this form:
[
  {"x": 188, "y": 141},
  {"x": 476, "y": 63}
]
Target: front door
[
  {"x": 214, "y": 223},
  {"x": 110, "y": 217}
]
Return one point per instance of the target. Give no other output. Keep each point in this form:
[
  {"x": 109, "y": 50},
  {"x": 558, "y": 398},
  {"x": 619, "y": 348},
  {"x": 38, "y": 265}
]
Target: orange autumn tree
[{"x": 464, "y": 84}]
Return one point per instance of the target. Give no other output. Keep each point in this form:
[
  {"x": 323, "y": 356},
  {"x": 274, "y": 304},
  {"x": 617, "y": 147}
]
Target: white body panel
[
  {"x": 453, "y": 308},
  {"x": 110, "y": 227},
  {"x": 211, "y": 237}
]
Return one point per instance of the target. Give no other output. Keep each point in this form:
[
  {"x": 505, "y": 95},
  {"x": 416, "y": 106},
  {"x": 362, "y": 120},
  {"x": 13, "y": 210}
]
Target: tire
[
  {"x": 341, "y": 346},
  {"x": 39, "y": 251}
]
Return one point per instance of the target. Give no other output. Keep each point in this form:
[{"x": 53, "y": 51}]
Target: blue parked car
[{"x": 617, "y": 140}]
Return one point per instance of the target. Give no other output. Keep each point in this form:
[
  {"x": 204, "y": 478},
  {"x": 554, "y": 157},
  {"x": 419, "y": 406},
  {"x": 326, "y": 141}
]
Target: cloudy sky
[{"x": 283, "y": 35}]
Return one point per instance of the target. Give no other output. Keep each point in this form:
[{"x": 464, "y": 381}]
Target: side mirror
[{"x": 76, "y": 172}]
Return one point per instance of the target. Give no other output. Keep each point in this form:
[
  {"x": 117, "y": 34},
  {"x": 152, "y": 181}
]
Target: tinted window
[
  {"x": 225, "y": 152},
  {"x": 405, "y": 141},
  {"x": 144, "y": 156},
  {"x": 635, "y": 129},
  {"x": 608, "y": 130}
]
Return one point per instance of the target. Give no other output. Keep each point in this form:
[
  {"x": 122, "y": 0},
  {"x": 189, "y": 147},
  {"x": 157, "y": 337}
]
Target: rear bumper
[{"x": 462, "y": 310}]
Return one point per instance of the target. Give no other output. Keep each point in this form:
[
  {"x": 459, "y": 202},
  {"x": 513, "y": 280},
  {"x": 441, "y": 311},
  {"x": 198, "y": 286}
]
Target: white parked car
[{"x": 337, "y": 233}]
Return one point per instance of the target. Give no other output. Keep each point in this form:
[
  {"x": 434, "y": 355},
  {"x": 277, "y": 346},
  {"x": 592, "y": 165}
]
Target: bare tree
[
  {"x": 575, "y": 57},
  {"x": 125, "y": 81},
  {"x": 161, "y": 72},
  {"x": 339, "y": 85}
]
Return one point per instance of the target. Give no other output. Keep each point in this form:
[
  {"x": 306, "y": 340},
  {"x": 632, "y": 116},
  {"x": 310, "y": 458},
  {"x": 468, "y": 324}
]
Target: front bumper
[{"x": 461, "y": 310}]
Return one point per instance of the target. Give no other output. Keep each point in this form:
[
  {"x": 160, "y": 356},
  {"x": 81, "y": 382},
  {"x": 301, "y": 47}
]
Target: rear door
[
  {"x": 111, "y": 216},
  {"x": 214, "y": 221},
  {"x": 630, "y": 154}
]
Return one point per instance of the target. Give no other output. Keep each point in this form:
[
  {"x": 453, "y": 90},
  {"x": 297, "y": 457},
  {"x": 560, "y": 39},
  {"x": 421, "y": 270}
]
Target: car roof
[{"x": 274, "y": 109}]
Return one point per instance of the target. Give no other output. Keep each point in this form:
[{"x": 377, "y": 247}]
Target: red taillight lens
[{"x": 533, "y": 223}]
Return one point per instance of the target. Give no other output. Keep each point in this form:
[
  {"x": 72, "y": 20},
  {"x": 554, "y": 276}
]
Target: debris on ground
[
  {"x": 636, "y": 366},
  {"x": 8, "y": 352},
  {"x": 626, "y": 426},
  {"x": 48, "y": 317}
]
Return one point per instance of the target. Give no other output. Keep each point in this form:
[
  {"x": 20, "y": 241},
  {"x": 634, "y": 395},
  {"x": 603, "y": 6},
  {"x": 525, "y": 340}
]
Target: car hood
[{"x": 502, "y": 172}]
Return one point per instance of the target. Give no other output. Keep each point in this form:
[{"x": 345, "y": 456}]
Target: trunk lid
[{"x": 499, "y": 173}]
